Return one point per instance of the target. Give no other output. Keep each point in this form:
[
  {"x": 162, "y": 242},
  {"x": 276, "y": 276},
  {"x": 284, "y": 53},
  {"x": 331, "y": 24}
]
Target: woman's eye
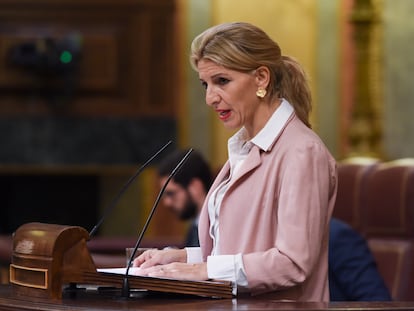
[
  {"x": 223, "y": 81},
  {"x": 204, "y": 85}
]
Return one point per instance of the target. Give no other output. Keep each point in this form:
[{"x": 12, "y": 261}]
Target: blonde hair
[{"x": 244, "y": 47}]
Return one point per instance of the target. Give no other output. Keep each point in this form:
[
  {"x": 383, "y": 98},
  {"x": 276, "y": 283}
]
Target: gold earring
[{"x": 261, "y": 93}]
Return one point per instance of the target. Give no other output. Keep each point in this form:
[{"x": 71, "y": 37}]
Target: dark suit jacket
[{"x": 353, "y": 274}]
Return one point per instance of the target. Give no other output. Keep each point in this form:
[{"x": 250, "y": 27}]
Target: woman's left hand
[{"x": 179, "y": 271}]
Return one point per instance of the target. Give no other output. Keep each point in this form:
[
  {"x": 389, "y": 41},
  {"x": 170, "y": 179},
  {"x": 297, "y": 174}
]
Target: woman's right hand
[{"x": 155, "y": 257}]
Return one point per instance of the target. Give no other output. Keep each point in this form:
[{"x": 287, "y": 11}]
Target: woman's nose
[{"x": 211, "y": 96}]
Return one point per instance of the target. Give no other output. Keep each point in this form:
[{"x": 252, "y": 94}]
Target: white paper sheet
[{"x": 132, "y": 270}]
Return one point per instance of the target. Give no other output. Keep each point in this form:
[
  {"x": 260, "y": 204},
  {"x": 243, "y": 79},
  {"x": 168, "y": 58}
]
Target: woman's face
[{"x": 232, "y": 95}]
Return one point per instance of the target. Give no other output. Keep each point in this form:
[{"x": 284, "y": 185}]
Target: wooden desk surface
[{"x": 110, "y": 300}]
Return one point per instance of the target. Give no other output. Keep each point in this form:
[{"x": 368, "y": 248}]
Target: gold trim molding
[{"x": 365, "y": 132}]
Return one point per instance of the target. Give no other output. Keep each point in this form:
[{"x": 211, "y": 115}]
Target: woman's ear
[{"x": 262, "y": 77}]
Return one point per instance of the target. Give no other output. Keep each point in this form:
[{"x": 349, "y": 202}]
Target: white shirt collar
[{"x": 267, "y": 134}]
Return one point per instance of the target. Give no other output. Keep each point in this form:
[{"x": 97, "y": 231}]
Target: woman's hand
[
  {"x": 179, "y": 271},
  {"x": 155, "y": 257}
]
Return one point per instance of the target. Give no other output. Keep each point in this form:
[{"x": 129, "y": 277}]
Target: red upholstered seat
[
  {"x": 5, "y": 248},
  {"x": 387, "y": 199},
  {"x": 351, "y": 174},
  {"x": 394, "y": 259},
  {"x": 5, "y": 257},
  {"x": 377, "y": 199},
  {"x": 387, "y": 214}
]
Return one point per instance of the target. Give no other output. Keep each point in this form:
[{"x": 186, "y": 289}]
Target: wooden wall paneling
[
  {"x": 127, "y": 58},
  {"x": 123, "y": 106}
]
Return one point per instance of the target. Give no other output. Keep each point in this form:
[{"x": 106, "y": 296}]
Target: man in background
[
  {"x": 186, "y": 191},
  {"x": 353, "y": 273}
]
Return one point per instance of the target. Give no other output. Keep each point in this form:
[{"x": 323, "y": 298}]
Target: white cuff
[
  {"x": 194, "y": 254},
  {"x": 221, "y": 267},
  {"x": 227, "y": 267}
]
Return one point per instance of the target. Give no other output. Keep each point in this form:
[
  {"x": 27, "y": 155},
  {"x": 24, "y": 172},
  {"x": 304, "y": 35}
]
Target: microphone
[
  {"x": 111, "y": 206},
  {"x": 125, "y": 286}
]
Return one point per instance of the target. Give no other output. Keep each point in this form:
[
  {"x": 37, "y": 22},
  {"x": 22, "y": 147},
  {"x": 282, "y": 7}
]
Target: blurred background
[{"x": 90, "y": 89}]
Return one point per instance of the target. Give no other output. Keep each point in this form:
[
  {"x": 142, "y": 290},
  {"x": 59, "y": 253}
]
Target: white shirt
[{"x": 230, "y": 267}]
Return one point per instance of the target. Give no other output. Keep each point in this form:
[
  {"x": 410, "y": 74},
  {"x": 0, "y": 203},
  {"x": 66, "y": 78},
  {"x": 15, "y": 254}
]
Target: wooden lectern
[{"x": 46, "y": 257}]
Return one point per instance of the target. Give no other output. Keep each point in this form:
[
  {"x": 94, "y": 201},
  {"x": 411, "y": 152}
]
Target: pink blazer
[{"x": 276, "y": 213}]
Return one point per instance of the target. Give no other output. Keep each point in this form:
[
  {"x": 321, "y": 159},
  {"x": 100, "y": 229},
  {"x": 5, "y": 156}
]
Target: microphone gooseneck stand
[{"x": 125, "y": 292}]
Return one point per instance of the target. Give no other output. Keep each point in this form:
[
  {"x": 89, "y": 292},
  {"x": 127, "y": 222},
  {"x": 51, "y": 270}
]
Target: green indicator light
[{"x": 66, "y": 57}]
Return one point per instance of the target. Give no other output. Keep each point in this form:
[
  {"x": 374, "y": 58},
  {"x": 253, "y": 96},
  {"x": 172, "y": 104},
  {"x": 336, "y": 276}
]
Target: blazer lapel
[{"x": 252, "y": 161}]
